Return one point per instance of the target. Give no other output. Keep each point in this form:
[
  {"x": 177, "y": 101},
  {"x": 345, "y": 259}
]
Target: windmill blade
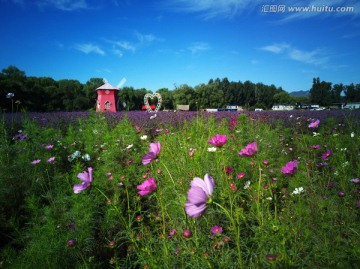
[{"x": 122, "y": 82}]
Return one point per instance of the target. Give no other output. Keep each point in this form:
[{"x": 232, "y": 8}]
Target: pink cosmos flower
[
  {"x": 314, "y": 124},
  {"x": 249, "y": 150},
  {"x": 147, "y": 187},
  {"x": 290, "y": 168},
  {"x": 198, "y": 195},
  {"x": 241, "y": 175},
  {"x": 154, "y": 151},
  {"x": 49, "y": 146},
  {"x": 51, "y": 160},
  {"x": 326, "y": 155},
  {"x": 216, "y": 230},
  {"x": 218, "y": 140},
  {"x": 187, "y": 233},
  {"x": 86, "y": 178},
  {"x": 35, "y": 161}
]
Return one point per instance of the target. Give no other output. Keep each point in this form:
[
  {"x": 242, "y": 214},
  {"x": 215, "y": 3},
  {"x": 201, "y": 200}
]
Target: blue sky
[{"x": 163, "y": 43}]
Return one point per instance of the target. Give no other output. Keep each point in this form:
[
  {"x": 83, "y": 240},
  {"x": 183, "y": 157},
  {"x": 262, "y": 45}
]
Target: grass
[{"x": 265, "y": 223}]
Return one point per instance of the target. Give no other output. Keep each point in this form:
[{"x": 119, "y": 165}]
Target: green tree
[
  {"x": 167, "y": 98},
  {"x": 12, "y": 80},
  {"x": 320, "y": 92}
]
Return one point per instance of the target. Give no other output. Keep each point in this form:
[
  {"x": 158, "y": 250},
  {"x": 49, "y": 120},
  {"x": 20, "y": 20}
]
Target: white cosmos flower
[
  {"x": 247, "y": 185},
  {"x": 143, "y": 137},
  {"x": 129, "y": 147},
  {"x": 298, "y": 190},
  {"x": 213, "y": 149}
]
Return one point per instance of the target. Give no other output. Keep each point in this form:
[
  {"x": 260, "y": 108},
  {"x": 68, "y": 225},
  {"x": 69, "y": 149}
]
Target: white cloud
[
  {"x": 145, "y": 37},
  {"x": 211, "y": 8},
  {"x": 198, "y": 46},
  {"x": 316, "y": 57},
  {"x": 117, "y": 52},
  {"x": 66, "y": 5},
  {"x": 229, "y": 8},
  {"x": 319, "y": 8},
  {"x": 276, "y": 48},
  {"x": 124, "y": 45},
  {"x": 90, "y": 48},
  {"x": 19, "y": 2}
]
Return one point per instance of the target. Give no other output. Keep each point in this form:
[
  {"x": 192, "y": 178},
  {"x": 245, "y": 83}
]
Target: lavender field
[{"x": 180, "y": 190}]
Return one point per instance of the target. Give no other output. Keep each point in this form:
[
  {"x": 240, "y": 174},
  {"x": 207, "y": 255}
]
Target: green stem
[
  {"x": 116, "y": 209},
  {"x": 166, "y": 252},
  {"x": 260, "y": 216},
  {"x": 83, "y": 259},
  {"x": 236, "y": 226},
  {"x": 167, "y": 170}
]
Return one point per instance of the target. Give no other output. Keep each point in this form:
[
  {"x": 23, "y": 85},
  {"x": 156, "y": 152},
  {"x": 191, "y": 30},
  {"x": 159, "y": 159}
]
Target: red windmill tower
[{"x": 107, "y": 97}]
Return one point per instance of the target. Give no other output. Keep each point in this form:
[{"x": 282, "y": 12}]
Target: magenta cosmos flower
[
  {"x": 86, "y": 178},
  {"x": 249, "y": 150},
  {"x": 216, "y": 230},
  {"x": 198, "y": 196},
  {"x": 218, "y": 140},
  {"x": 154, "y": 151},
  {"x": 314, "y": 124},
  {"x": 326, "y": 155},
  {"x": 290, "y": 168},
  {"x": 147, "y": 187}
]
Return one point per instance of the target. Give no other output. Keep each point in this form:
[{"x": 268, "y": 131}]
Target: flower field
[{"x": 180, "y": 190}]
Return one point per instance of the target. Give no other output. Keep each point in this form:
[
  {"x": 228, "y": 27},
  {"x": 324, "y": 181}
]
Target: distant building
[
  {"x": 182, "y": 107},
  {"x": 107, "y": 98},
  {"x": 352, "y": 105},
  {"x": 233, "y": 108},
  {"x": 283, "y": 107}
]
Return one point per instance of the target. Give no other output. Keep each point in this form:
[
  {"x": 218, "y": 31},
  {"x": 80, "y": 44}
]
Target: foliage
[{"x": 257, "y": 217}]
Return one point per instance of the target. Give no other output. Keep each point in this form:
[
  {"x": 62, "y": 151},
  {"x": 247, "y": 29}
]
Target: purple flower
[
  {"x": 86, "y": 178},
  {"x": 154, "y": 151},
  {"x": 20, "y": 136},
  {"x": 70, "y": 243},
  {"x": 314, "y": 124},
  {"x": 35, "y": 161},
  {"x": 290, "y": 168},
  {"x": 326, "y": 155},
  {"x": 198, "y": 196},
  {"x": 216, "y": 230},
  {"x": 355, "y": 180},
  {"x": 147, "y": 187},
  {"x": 172, "y": 233},
  {"x": 249, "y": 150},
  {"x": 218, "y": 140},
  {"x": 315, "y": 147}
]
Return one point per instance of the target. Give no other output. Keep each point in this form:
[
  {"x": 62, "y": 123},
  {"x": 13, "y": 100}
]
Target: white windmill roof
[{"x": 107, "y": 86}]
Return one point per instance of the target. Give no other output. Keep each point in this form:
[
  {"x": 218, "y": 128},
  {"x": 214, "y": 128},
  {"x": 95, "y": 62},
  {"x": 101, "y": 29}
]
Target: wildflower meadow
[{"x": 180, "y": 190}]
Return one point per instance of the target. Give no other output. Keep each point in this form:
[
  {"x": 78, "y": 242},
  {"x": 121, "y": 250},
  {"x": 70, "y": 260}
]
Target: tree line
[{"x": 44, "y": 94}]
